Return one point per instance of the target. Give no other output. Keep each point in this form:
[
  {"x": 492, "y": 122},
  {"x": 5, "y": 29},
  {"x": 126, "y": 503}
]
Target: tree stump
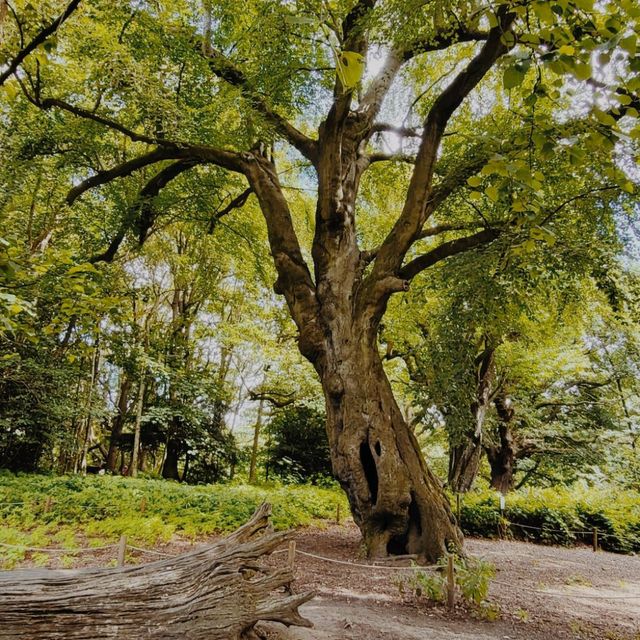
[{"x": 217, "y": 592}]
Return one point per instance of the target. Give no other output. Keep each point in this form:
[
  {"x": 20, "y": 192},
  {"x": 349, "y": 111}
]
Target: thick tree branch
[
  {"x": 379, "y": 156},
  {"x": 121, "y": 171},
  {"x": 351, "y": 27},
  {"x": 446, "y": 250},
  {"x": 386, "y": 127},
  {"x": 440, "y": 41},
  {"x": 143, "y": 211},
  {"x": 294, "y": 277},
  {"x": 142, "y": 214},
  {"x": 230, "y": 160},
  {"x": 39, "y": 39},
  {"x": 419, "y": 201},
  {"x": 371, "y": 102}
]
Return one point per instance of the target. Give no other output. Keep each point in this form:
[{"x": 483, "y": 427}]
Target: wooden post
[
  {"x": 595, "y": 539},
  {"x": 47, "y": 504},
  {"x": 122, "y": 550},
  {"x": 291, "y": 557},
  {"x": 451, "y": 589},
  {"x": 338, "y": 514}
]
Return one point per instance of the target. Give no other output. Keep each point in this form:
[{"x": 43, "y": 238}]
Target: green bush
[
  {"x": 472, "y": 577},
  {"x": 563, "y": 516},
  {"x": 98, "y": 509}
]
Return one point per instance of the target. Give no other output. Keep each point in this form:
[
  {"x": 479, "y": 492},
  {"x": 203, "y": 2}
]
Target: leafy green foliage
[
  {"x": 298, "y": 449},
  {"x": 97, "y": 510},
  {"x": 472, "y": 577},
  {"x": 558, "y": 516}
]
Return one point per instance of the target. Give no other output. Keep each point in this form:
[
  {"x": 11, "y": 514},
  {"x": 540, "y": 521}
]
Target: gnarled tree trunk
[
  {"x": 219, "y": 592},
  {"x": 395, "y": 499}
]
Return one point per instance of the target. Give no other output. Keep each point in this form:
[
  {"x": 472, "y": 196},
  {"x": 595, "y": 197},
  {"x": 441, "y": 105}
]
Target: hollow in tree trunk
[{"x": 396, "y": 501}]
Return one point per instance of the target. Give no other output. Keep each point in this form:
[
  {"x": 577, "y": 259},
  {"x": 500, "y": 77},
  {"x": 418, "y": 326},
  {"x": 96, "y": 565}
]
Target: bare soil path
[{"x": 539, "y": 592}]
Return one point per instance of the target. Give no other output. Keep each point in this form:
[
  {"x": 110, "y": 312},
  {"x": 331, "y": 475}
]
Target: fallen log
[{"x": 218, "y": 592}]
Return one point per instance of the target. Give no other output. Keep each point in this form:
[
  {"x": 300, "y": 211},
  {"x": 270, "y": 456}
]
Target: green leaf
[
  {"x": 582, "y": 70},
  {"x": 350, "y": 68},
  {"x": 629, "y": 44},
  {"x": 604, "y": 117},
  {"x": 300, "y": 20},
  {"x": 493, "y": 193},
  {"x": 474, "y": 181},
  {"x": 544, "y": 12},
  {"x": 512, "y": 78}
]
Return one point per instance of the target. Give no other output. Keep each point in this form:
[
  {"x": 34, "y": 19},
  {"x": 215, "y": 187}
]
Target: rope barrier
[
  {"x": 330, "y": 560},
  {"x": 364, "y": 566},
  {"x": 585, "y": 533}
]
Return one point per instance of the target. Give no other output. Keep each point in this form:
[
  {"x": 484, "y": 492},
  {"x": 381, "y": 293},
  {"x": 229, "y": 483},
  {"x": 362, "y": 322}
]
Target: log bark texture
[{"x": 219, "y": 592}]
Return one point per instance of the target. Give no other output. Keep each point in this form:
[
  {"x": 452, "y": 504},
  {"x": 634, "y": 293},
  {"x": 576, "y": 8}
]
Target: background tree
[{"x": 298, "y": 449}]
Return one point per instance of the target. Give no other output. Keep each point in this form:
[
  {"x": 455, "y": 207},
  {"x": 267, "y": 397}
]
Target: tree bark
[
  {"x": 256, "y": 443},
  {"x": 118, "y": 423},
  {"x": 502, "y": 456},
  {"x": 172, "y": 455},
  {"x": 89, "y": 418},
  {"x": 465, "y": 456},
  {"x": 135, "y": 453},
  {"x": 396, "y": 501},
  {"x": 219, "y": 592}
]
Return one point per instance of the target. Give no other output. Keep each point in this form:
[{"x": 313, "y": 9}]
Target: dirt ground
[{"x": 539, "y": 593}]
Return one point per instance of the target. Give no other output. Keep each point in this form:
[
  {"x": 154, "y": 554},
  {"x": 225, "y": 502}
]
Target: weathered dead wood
[{"x": 218, "y": 592}]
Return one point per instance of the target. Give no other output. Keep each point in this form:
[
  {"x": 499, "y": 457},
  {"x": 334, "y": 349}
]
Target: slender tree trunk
[
  {"x": 465, "y": 456},
  {"x": 136, "y": 435},
  {"x": 256, "y": 441},
  {"x": 89, "y": 418},
  {"x": 187, "y": 466},
  {"x": 118, "y": 423},
  {"x": 502, "y": 456}
]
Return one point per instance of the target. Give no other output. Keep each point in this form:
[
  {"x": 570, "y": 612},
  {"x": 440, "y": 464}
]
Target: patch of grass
[
  {"x": 578, "y": 580},
  {"x": 72, "y": 511}
]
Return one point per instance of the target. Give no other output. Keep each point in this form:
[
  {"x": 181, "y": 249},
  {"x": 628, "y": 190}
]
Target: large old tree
[{"x": 166, "y": 89}]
